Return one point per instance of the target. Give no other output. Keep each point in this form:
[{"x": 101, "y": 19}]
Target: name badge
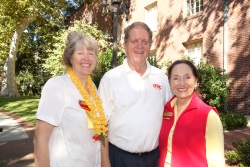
[{"x": 167, "y": 115}]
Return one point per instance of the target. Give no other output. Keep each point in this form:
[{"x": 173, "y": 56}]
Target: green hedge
[{"x": 232, "y": 121}]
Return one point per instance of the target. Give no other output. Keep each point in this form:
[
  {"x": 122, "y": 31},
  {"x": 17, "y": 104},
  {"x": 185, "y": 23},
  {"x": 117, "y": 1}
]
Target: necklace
[{"x": 94, "y": 104}]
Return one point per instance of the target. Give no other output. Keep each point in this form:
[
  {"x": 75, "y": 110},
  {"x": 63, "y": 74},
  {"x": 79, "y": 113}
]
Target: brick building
[{"x": 216, "y": 31}]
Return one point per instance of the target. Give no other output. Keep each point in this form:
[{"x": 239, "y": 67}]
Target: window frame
[
  {"x": 197, "y": 50},
  {"x": 193, "y": 7},
  {"x": 152, "y": 25}
]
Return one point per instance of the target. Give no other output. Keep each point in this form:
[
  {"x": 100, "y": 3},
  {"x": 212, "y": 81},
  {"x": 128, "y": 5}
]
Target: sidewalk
[
  {"x": 16, "y": 141},
  {"x": 17, "y": 149}
]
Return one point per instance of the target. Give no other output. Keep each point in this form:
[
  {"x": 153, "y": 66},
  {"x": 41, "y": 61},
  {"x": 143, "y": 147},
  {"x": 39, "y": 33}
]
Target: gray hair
[
  {"x": 137, "y": 24},
  {"x": 77, "y": 39}
]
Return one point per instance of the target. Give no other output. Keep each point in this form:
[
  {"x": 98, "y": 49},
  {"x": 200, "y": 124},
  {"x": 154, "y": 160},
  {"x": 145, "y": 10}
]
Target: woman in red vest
[{"x": 191, "y": 133}]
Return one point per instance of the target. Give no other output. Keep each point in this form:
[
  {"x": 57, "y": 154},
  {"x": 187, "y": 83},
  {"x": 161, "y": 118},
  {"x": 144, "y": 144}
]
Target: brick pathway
[{"x": 19, "y": 153}]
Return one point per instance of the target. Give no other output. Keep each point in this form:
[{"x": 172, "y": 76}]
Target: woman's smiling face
[
  {"x": 83, "y": 61},
  {"x": 182, "y": 81}
]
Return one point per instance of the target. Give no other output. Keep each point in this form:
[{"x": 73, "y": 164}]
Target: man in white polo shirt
[{"x": 134, "y": 95}]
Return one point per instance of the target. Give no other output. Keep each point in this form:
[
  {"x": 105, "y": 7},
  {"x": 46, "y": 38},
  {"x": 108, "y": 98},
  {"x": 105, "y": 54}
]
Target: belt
[{"x": 136, "y": 154}]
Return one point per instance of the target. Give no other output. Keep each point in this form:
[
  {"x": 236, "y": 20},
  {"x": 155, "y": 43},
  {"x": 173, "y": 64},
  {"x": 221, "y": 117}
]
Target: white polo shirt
[
  {"x": 71, "y": 143},
  {"x": 134, "y": 106}
]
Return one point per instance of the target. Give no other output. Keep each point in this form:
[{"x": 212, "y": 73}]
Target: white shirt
[
  {"x": 71, "y": 142},
  {"x": 134, "y": 106}
]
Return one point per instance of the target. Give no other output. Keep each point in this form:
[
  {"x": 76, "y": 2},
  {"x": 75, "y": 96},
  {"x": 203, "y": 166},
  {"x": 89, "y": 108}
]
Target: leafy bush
[
  {"x": 214, "y": 85},
  {"x": 104, "y": 64},
  {"x": 30, "y": 75},
  {"x": 240, "y": 154},
  {"x": 232, "y": 121},
  {"x": 29, "y": 84},
  {"x": 153, "y": 61}
]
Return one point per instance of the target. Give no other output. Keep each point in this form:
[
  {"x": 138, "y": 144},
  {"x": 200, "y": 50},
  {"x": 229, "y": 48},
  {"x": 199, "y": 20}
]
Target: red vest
[{"x": 188, "y": 142}]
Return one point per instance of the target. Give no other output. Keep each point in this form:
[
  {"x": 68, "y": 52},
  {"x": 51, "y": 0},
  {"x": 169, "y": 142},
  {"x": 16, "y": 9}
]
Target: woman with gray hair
[{"x": 70, "y": 119}]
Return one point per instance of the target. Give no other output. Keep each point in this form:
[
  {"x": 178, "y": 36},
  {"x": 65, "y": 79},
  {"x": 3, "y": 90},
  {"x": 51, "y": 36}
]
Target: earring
[{"x": 195, "y": 88}]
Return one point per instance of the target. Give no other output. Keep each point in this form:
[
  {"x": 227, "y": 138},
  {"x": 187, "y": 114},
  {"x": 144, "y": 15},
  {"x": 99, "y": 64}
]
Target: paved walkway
[{"x": 16, "y": 140}]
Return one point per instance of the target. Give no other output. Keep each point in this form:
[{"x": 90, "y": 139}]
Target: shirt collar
[
  {"x": 173, "y": 102},
  {"x": 128, "y": 69},
  {"x": 191, "y": 105}
]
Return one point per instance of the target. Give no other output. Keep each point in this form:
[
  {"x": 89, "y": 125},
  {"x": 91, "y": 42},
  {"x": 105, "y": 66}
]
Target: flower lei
[{"x": 94, "y": 106}]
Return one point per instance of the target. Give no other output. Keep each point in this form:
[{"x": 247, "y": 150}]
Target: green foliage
[
  {"x": 213, "y": 84},
  {"x": 30, "y": 75},
  {"x": 240, "y": 154},
  {"x": 26, "y": 82},
  {"x": 165, "y": 64},
  {"x": 29, "y": 84},
  {"x": 15, "y": 15},
  {"x": 104, "y": 63},
  {"x": 153, "y": 61},
  {"x": 232, "y": 121}
]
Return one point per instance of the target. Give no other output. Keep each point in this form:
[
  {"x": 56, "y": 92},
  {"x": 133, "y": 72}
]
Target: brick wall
[
  {"x": 95, "y": 9},
  {"x": 239, "y": 54},
  {"x": 225, "y": 44}
]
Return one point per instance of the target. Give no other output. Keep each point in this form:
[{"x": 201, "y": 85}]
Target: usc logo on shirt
[{"x": 157, "y": 86}]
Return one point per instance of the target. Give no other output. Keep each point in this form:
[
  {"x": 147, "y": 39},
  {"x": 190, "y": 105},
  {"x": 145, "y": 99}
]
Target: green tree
[
  {"x": 35, "y": 43},
  {"x": 16, "y": 15},
  {"x": 30, "y": 57}
]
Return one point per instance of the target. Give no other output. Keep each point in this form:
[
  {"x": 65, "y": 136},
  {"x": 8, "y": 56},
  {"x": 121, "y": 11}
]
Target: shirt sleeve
[
  {"x": 214, "y": 141},
  {"x": 52, "y": 104},
  {"x": 105, "y": 93},
  {"x": 169, "y": 93}
]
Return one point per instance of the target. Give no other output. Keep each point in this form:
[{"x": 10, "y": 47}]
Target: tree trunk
[
  {"x": 11, "y": 65},
  {"x": 11, "y": 60}
]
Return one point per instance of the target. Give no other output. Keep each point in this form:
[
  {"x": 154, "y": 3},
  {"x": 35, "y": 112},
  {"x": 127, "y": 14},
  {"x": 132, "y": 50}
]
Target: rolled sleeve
[{"x": 214, "y": 141}]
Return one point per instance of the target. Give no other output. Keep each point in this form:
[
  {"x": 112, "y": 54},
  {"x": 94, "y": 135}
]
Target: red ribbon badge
[{"x": 84, "y": 105}]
